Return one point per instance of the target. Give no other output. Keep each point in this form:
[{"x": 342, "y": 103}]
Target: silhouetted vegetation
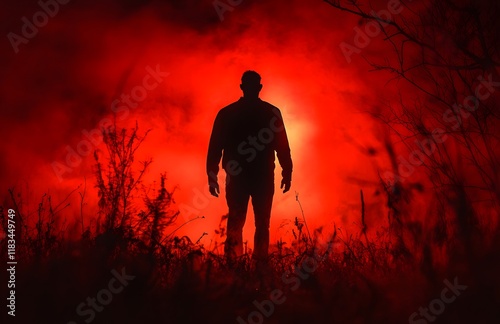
[{"x": 350, "y": 277}]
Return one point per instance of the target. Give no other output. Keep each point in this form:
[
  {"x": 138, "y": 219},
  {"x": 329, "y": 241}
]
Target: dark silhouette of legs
[
  {"x": 262, "y": 201},
  {"x": 239, "y": 189},
  {"x": 237, "y": 197}
]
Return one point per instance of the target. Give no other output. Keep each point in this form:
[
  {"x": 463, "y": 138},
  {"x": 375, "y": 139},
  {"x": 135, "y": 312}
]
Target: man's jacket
[{"x": 246, "y": 134}]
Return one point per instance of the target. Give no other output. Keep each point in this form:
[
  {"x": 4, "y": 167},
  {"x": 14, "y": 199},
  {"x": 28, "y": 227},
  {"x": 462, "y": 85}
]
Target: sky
[{"x": 182, "y": 61}]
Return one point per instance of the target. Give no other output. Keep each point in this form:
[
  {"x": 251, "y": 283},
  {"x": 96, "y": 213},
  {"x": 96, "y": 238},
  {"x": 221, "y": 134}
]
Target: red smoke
[{"x": 66, "y": 80}]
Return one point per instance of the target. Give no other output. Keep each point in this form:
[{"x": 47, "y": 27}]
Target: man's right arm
[{"x": 214, "y": 155}]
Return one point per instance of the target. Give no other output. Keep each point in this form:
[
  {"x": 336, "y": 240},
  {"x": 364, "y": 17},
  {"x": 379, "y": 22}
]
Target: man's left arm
[{"x": 283, "y": 152}]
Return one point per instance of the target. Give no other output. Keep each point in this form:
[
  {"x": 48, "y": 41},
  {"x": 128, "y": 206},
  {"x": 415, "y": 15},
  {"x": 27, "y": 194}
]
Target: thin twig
[{"x": 303, "y": 215}]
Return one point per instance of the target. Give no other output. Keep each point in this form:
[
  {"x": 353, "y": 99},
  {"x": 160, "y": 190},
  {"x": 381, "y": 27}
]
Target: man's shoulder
[
  {"x": 235, "y": 106},
  {"x": 269, "y": 106},
  {"x": 271, "y": 109},
  {"x": 229, "y": 107}
]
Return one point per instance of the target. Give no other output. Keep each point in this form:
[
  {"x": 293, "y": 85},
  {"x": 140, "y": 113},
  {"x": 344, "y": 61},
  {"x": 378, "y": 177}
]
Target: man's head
[{"x": 250, "y": 84}]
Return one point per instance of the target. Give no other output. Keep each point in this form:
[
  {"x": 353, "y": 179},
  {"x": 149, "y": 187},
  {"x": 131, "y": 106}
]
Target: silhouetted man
[{"x": 248, "y": 132}]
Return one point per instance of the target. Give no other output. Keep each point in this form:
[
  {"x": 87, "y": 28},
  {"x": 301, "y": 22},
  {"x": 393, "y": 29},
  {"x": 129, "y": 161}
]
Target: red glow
[{"x": 65, "y": 80}]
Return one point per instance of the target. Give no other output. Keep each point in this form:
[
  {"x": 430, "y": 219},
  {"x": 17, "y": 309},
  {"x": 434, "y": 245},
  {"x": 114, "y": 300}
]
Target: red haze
[{"x": 65, "y": 80}]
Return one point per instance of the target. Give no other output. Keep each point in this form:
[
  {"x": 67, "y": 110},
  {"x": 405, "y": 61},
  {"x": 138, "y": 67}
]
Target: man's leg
[
  {"x": 237, "y": 196},
  {"x": 262, "y": 201}
]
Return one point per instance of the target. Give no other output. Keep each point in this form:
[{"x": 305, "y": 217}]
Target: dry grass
[{"x": 358, "y": 278}]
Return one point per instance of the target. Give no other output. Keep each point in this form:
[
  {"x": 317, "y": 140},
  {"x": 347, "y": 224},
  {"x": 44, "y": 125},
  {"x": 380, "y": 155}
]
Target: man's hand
[
  {"x": 286, "y": 184},
  {"x": 214, "y": 189}
]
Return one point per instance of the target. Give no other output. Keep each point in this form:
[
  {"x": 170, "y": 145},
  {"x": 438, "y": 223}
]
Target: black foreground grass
[
  {"x": 337, "y": 278},
  {"x": 187, "y": 284}
]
